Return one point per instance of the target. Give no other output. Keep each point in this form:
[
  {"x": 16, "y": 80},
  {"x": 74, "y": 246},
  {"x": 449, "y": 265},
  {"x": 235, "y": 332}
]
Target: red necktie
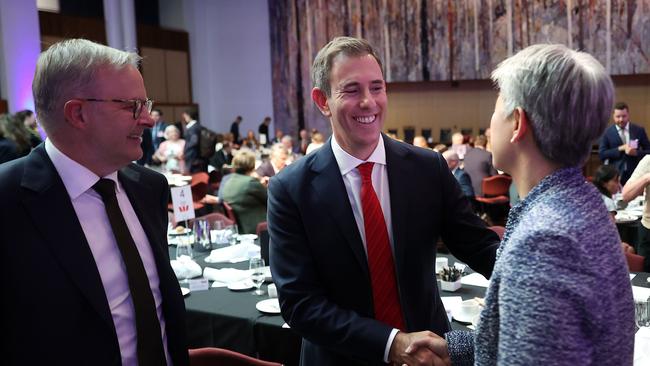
[{"x": 380, "y": 257}]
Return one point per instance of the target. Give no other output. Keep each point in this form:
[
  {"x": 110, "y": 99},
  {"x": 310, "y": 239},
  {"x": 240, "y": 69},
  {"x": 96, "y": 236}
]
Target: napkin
[
  {"x": 475, "y": 279},
  {"x": 186, "y": 268},
  {"x": 642, "y": 347},
  {"x": 233, "y": 254},
  {"x": 224, "y": 276}
]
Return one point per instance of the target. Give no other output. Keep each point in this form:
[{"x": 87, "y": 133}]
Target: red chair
[
  {"x": 262, "y": 231},
  {"x": 500, "y": 230},
  {"x": 229, "y": 211},
  {"x": 495, "y": 190},
  {"x": 634, "y": 262},
  {"x": 212, "y": 217},
  {"x": 224, "y": 357}
]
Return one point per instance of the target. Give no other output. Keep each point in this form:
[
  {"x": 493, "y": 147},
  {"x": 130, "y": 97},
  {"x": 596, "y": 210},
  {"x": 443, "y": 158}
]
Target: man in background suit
[
  {"x": 463, "y": 179},
  {"x": 277, "y": 161},
  {"x": 158, "y": 129},
  {"x": 478, "y": 164},
  {"x": 623, "y": 144},
  {"x": 234, "y": 129},
  {"x": 354, "y": 225},
  {"x": 193, "y": 161},
  {"x": 83, "y": 231}
]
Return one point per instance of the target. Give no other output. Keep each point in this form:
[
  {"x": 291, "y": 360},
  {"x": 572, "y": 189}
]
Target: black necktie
[{"x": 150, "y": 347}]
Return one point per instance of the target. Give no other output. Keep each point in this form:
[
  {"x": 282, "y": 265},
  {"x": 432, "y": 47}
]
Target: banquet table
[{"x": 219, "y": 317}]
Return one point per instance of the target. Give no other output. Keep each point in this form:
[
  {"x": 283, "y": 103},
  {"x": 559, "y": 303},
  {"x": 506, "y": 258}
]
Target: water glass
[
  {"x": 184, "y": 254},
  {"x": 219, "y": 233},
  {"x": 256, "y": 266},
  {"x": 233, "y": 235},
  {"x": 642, "y": 313},
  {"x": 201, "y": 229}
]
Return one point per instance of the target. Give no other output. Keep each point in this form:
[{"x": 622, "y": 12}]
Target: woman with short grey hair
[{"x": 560, "y": 292}]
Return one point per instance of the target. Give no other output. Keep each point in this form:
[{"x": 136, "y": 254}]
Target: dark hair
[
  {"x": 621, "y": 106},
  {"x": 604, "y": 174},
  {"x": 15, "y": 130},
  {"x": 22, "y": 115},
  {"x": 157, "y": 110},
  {"x": 193, "y": 113}
]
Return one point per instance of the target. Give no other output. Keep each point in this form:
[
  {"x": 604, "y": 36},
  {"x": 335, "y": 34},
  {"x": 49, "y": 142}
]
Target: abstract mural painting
[{"x": 445, "y": 40}]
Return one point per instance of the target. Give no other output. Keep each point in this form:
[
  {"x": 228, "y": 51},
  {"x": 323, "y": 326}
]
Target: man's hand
[
  {"x": 629, "y": 150},
  {"x": 432, "y": 342},
  {"x": 420, "y": 356}
]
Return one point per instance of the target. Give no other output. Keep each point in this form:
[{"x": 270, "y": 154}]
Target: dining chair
[
  {"x": 211, "y": 356},
  {"x": 230, "y": 213},
  {"x": 634, "y": 262},
  {"x": 212, "y": 217},
  {"x": 262, "y": 231},
  {"x": 495, "y": 196}
]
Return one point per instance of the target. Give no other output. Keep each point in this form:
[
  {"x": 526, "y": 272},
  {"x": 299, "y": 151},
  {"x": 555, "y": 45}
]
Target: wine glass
[
  {"x": 256, "y": 266},
  {"x": 642, "y": 314},
  {"x": 234, "y": 234},
  {"x": 184, "y": 254}
]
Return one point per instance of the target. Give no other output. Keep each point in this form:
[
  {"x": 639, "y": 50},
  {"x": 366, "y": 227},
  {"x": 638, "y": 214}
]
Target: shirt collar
[
  {"x": 348, "y": 162},
  {"x": 76, "y": 178},
  {"x": 191, "y": 123},
  {"x": 626, "y": 128}
]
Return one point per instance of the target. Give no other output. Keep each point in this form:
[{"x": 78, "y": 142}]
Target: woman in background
[
  {"x": 170, "y": 151},
  {"x": 245, "y": 194},
  {"x": 608, "y": 181}
]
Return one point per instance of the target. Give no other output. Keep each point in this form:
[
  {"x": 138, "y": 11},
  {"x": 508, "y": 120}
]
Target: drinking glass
[
  {"x": 256, "y": 266},
  {"x": 642, "y": 313},
  {"x": 184, "y": 253},
  {"x": 201, "y": 229},
  {"x": 220, "y": 232},
  {"x": 233, "y": 234}
]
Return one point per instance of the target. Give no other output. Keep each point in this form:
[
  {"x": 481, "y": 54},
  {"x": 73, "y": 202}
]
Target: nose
[
  {"x": 367, "y": 100},
  {"x": 145, "y": 119}
]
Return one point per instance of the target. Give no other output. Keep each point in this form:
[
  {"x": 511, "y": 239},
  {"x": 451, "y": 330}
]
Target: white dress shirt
[
  {"x": 89, "y": 207},
  {"x": 626, "y": 132},
  {"x": 352, "y": 180}
]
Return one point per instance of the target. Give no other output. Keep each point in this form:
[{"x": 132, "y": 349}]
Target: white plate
[
  {"x": 185, "y": 291},
  {"x": 463, "y": 318},
  {"x": 247, "y": 237},
  {"x": 269, "y": 306},
  {"x": 176, "y": 233},
  {"x": 241, "y": 285}
]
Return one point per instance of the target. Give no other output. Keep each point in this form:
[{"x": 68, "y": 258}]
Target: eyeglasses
[{"x": 137, "y": 104}]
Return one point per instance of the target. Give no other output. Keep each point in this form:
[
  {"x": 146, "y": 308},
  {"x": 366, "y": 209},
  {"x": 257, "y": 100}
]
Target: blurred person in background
[
  {"x": 29, "y": 121},
  {"x": 8, "y": 149},
  {"x": 171, "y": 150},
  {"x": 317, "y": 140}
]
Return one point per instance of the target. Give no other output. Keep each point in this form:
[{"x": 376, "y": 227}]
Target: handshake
[{"x": 420, "y": 348}]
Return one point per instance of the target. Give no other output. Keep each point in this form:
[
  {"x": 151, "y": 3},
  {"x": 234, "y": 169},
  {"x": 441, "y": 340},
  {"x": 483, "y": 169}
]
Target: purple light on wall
[{"x": 20, "y": 40}]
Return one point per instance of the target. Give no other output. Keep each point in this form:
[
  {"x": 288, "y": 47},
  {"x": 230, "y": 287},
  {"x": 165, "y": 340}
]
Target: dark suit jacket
[
  {"x": 55, "y": 311},
  {"x": 157, "y": 134},
  {"x": 478, "y": 165},
  {"x": 465, "y": 182},
  {"x": 608, "y": 149},
  {"x": 193, "y": 160},
  {"x": 265, "y": 169},
  {"x": 320, "y": 266},
  {"x": 8, "y": 150}
]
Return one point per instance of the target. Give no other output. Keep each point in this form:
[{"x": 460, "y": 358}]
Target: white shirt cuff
[{"x": 391, "y": 337}]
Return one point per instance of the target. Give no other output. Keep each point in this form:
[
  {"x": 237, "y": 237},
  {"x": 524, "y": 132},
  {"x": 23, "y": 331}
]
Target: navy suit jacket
[
  {"x": 608, "y": 149},
  {"x": 193, "y": 160},
  {"x": 465, "y": 182},
  {"x": 319, "y": 263},
  {"x": 55, "y": 309}
]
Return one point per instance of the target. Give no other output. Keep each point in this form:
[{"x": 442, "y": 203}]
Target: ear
[
  {"x": 521, "y": 125},
  {"x": 73, "y": 113},
  {"x": 319, "y": 97}
]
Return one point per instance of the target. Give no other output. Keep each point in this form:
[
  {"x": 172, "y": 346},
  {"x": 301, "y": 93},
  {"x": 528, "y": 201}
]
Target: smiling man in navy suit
[
  {"x": 354, "y": 225},
  {"x": 83, "y": 245},
  {"x": 623, "y": 144}
]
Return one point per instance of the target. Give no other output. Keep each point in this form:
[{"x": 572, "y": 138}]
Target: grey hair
[
  {"x": 66, "y": 70},
  {"x": 347, "y": 46},
  {"x": 450, "y": 155},
  {"x": 567, "y": 96},
  {"x": 278, "y": 148}
]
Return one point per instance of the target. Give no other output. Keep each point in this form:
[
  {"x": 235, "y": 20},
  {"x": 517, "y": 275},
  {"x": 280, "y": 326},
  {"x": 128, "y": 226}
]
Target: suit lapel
[
  {"x": 46, "y": 200},
  {"x": 332, "y": 196},
  {"x": 399, "y": 173}
]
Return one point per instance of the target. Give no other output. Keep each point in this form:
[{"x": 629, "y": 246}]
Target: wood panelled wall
[{"x": 165, "y": 66}]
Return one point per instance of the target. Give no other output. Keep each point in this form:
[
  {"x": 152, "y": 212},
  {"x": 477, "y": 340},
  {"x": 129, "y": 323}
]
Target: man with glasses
[{"x": 83, "y": 231}]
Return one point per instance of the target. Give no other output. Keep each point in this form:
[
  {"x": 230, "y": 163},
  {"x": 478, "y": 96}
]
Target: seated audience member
[
  {"x": 638, "y": 184},
  {"x": 292, "y": 155},
  {"x": 488, "y": 143},
  {"x": 420, "y": 141},
  {"x": 458, "y": 145},
  {"x": 276, "y": 162},
  {"x": 170, "y": 152},
  {"x": 608, "y": 182},
  {"x": 478, "y": 164},
  {"x": 222, "y": 156},
  {"x": 245, "y": 194},
  {"x": 250, "y": 141},
  {"x": 560, "y": 292},
  {"x": 278, "y": 136},
  {"x": 29, "y": 121},
  {"x": 8, "y": 149},
  {"x": 317, "y": 140},
  {"x": 304, "y": 142},
  {"x": 15, "y": 130},
  {"x": 463, "y": 179}
]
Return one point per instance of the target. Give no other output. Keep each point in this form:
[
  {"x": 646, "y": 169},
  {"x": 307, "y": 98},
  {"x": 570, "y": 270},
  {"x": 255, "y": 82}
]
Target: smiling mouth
[{"x": 366, "y": 119}]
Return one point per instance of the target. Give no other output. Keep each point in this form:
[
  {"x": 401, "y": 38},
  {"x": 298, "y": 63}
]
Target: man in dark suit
[
  {"x": 478, "y": 164},
  {"x": 263, "y": 129},
  {"x": 83, "y": 231},
  {"x": 354, "y": 225},
  {"x": 277, "y": 161},
  {"x": 234, "y": 129},
  {"x": 623, "y": 144},
  {"x": 222, "y": 156},
  {"x": 463, "y": 179},
  {"x": 193, "y": 161},
  {"x": 158, "y": 129}
]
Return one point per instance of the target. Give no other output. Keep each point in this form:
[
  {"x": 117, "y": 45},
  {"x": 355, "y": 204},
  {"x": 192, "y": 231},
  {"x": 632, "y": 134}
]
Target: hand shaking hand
[{"x": 421, "y": 348}]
